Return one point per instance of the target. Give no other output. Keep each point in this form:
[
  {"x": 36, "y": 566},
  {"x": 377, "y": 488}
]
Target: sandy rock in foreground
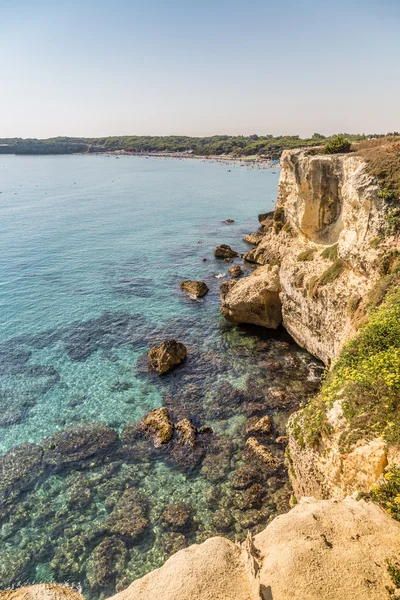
[
  {"x": 44, "y": 591},
  {"x": 328, "y": 550},
  {"x": 214, "y": 570}
]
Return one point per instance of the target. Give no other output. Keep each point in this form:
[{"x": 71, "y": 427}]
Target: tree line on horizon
[{"x": 268, "y": 146}]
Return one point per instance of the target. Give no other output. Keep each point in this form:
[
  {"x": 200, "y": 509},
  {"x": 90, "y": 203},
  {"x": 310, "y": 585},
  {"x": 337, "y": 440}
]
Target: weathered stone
[
  {"x": 186, "y": 432},
  {"x": 168, "y": 355},
  {"x": 236, "y": 271},
  {"x": 261, "y": 426},
  {"x": 254, "y": 299},
  {"x": 264, "y": 456},
  {"x": 254, "y": 238},
  {"x": 196, "y": 288},
  {"x": 157, "y": 426},
  {"x": 224, "y": 251}
]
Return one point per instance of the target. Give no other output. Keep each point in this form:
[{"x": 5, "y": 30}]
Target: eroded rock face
[
  {"x": 224, "y": 251},
  {"x": 168, "y": 355},
  {"x": 254, "y": 299},
  {"x": 196, "y": 288}
]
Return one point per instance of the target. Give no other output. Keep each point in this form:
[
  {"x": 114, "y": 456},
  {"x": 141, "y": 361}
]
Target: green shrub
[
  {"x": 306, "y": 255},
  {"x": 337, "y": 145},
  {"x": 332, "y": 273},
  {"x": 331, "y": 252},
  {"x": 366, "y": 378}
]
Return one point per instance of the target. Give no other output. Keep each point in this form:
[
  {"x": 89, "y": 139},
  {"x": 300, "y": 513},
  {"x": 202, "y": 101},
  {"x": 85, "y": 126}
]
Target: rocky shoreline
[{"x": 317, "y": 266}]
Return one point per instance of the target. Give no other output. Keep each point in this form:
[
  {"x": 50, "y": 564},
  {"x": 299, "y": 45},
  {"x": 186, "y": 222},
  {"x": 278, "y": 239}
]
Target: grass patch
[
  {"x": 365, "y": 378},
  {"x": 387, "y": 493},
  {"x": 306, "y": 255},
  {"x": 332, "y": 273},
  {"x": 331, "y": 252},
  {"x": 383, "y": 163}
]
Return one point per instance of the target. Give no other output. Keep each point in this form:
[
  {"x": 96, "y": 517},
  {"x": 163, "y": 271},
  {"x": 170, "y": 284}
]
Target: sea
[{"x": 92, "y": 251}]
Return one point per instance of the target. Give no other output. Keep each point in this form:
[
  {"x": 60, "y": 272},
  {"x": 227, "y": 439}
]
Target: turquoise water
[{"x": 92, "y": 251}]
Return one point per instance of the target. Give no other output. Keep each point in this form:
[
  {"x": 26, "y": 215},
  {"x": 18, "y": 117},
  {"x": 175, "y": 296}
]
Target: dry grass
[{"x": 383, "y": 162}]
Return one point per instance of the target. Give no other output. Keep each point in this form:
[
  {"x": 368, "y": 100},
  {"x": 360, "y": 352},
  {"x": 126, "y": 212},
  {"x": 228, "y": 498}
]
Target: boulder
[
  {"x": 224, "y": 251},
  {"x": 196, "y": 288},
  {"x": 254, "y": 299},
  {"x": 235, "y": 271},
  {"x": 262, "y": 454},
  {"x": 157, "y": 426},
  {"x": 79, "y": 447},
  {"x": 229, "y": 221},
  {"x": 168, "y": 355},
  {"x": 186, "y": 432},
  {"x": 261, "y": 426},
  {"x": 254, "y": 238}
]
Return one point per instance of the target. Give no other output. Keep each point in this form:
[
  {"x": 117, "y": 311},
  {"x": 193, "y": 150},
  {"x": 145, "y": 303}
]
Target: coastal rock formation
[
  {"x": 196, "y": 288},
  {"x": 320, "y": 550},
  {"x": 224, "y": 251},
  {"x": 327, "y": 215},
  {"x": 254, "y": 299},
  {"x": 235, "y": 271},
  {"x": 168, "y": 355},
  {"x": 254, "y": 238}
]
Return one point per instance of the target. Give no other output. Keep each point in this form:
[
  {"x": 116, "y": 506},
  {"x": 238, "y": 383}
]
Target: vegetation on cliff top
[
  {"x": 365, "y": 378},
  {"x": 264, "y": 145}
]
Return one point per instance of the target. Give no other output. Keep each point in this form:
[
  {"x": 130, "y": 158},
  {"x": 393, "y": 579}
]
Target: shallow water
[{"x": 92, "y": 251}]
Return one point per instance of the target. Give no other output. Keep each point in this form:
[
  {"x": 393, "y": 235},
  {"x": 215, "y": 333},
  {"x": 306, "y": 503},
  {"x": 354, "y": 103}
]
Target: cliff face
[
  {"x": 327, "y": 216},
  {"x": 321, "y": 255}
]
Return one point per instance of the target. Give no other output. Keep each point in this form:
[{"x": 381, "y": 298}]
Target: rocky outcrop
[
  {"x": 224, "y": 251},
  {"x": 253, "y": 299},
  {"x": 196, "y": 288},
  {"x": 168, "y": 355},
  {"x": 157, "y": 426},
  {"x": 235, "y": 271},
  {"x": 327, "y": 215},
  {"x": 320, "y": 550}
]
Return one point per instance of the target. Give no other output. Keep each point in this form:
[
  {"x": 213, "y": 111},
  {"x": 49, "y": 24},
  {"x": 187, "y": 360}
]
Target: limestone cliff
[
  {"x": 327, "y": 216},
  {"x": 325, "y": 246}
]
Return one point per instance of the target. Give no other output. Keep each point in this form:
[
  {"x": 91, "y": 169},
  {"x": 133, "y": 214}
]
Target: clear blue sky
[{"x": 198, "y": 67}]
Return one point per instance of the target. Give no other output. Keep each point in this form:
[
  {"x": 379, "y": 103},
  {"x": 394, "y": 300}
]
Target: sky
[{"x": 198, "y": 67}]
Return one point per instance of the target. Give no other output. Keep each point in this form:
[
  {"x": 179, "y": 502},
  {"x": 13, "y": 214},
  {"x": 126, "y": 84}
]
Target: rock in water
[
  {"x": 178, "y": 517},
  {"x": 197, "y": 288},
  {"x": 262, "y": 453},
  {"x": 158, "y": 426},
  {"x": 224, "y": 251},
  {"x": 168, "y": 355},
  {"x": 254, "y": 299},
  {"x": 235, "y": 271}
]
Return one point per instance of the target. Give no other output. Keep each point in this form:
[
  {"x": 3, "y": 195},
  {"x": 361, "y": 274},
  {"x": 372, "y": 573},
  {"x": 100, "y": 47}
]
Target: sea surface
[{"x": 92, "y": 251}]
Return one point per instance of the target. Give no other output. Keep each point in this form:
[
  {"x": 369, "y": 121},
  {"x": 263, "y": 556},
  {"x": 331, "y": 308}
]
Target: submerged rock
[
  {"x": 168, "y": 355},
  {"x": 157, "y": 426},
  {"x": 197, "y": 288},
  {"x": 224, "y": 251},
  {"x": 245, "y": 476},
  {"x": 20, "y": 468},
  {"x": 128, "y": 519},
  {"x": 107, "y": 561},
  {"x": 178, "y": 517},
  {"x": 79, "y": 447}
]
